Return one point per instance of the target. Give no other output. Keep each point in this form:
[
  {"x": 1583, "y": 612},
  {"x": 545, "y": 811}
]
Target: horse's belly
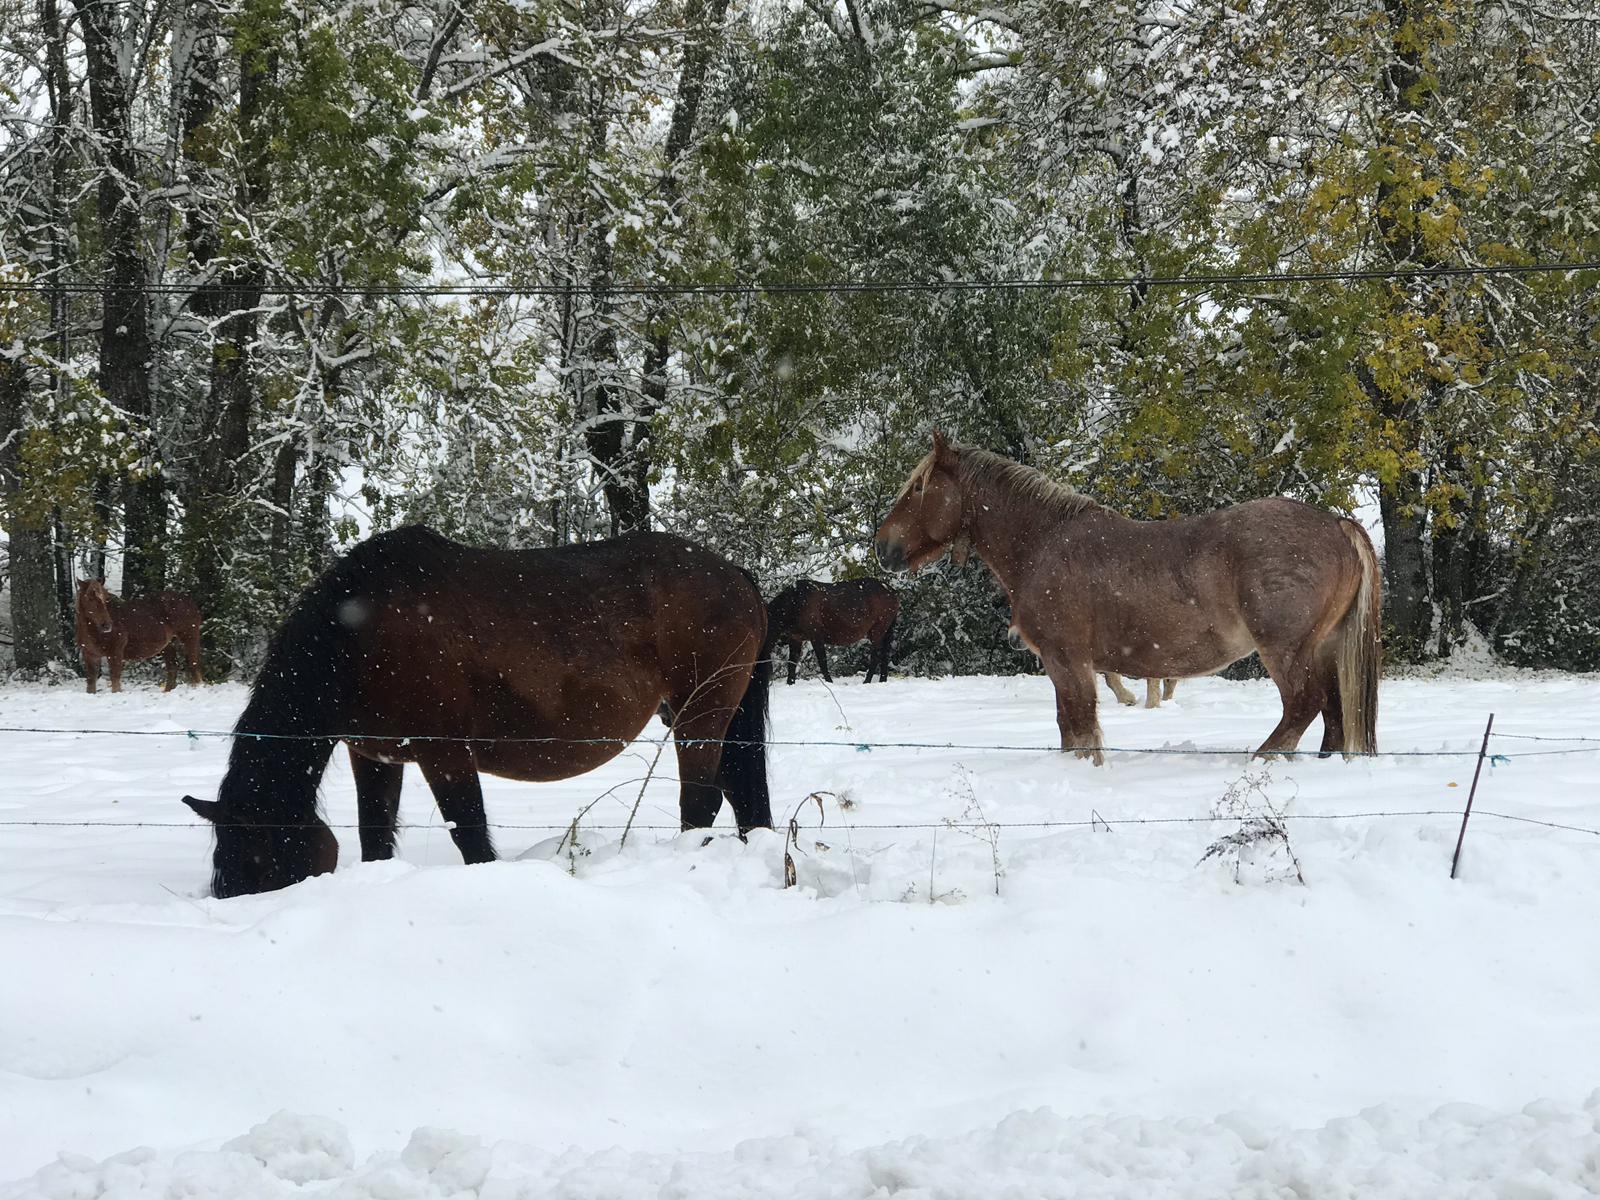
[
  {"x": 545, "y": 762},
  {"x": 1177, "y": 654}
]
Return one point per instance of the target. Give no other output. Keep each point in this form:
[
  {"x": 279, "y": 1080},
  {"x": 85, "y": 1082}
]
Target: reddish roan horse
[
  {"x": 1092, "y": 590},
  {"x": 528, "y": 664},
  {"x": 118, "y": 630},
  {"x": 836, "y": 614}
]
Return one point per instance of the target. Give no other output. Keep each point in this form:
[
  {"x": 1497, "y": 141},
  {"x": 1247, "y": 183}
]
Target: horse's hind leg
[
  {"x": 883, "y": 653},
  {"x": 704, "y": 720},
  {"x": 453, "y": 778},
  {"x": 1168, "y": 687},
  {"x": 191, "y": 651},
  {"x": 699, "y": 797},
  {"x": 169, "y": 655},
  {"x": 795, "y": 650},
  {"x": 822, "y": 659},
  {"x": 1303, "y": 688},
  {"x": 377, "y": 804},
  {"x": 1332, "y": 710}
]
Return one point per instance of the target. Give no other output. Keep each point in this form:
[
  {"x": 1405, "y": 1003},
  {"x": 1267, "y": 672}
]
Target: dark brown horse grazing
[
  {"x": 118, "y": 630},
  {"x": 1092, "y": 590},
  {"x": 836, "y": 614},
  {"x": 529, "y": 664}
]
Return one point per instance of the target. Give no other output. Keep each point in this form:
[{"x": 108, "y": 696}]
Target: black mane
[{"x": 299, "y": 706}]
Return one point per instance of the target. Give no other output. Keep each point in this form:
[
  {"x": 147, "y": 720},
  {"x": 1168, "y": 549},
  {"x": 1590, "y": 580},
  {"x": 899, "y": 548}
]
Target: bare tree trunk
[
  {"x": 66, "y": 594},
  {"x": 1407, "y": 608},
  {"x": 59, "y": 87},
  {"x": 1409, "y": 593},
  {"x": 704, "y": 19},
  {"x": 35, "y": 633},
  {"x": 232, "y": 302},
  {"x": 125, "y": 347},
  {"x": 1453, "y": 547}
]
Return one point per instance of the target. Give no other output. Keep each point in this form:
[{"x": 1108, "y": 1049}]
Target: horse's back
[
  {"x": 446, "y": 609},
  {"x": 1271, "y": 530},
  {"x": 178, "y": 609},
  {"x": 577, "y": 644},
  {"x": 868, "y": 600}
]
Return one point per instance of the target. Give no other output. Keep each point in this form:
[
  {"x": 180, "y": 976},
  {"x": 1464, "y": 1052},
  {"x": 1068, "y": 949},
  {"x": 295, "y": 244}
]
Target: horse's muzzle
[
  {"x": 891, "y": 554},
  {"x": 1014, "y": 638}
]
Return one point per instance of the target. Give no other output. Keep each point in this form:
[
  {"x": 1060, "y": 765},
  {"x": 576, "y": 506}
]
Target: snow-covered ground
[{"x": 665, "y": 1019}]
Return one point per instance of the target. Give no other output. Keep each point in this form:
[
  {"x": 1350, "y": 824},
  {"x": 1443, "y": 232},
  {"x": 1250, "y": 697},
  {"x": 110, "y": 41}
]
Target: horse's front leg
[
  {"x": 114, "y": 657},
  {"x": 1076, "y": 714},
  {"x": 91, "y": 667},
  {"x": 1152, "y": 693}
]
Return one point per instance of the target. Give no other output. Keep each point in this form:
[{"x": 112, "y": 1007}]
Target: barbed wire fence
[{"x": 1558, "y": 746}]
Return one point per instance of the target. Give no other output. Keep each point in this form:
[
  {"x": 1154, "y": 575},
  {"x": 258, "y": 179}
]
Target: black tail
[
  {"x": 743, "y": 774},
  {"x": 743, "y": 777}
]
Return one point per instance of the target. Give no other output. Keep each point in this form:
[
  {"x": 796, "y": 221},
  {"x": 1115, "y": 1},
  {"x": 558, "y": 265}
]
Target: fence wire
[
  {"x": 1095, "y": 822},
  {"x": 1592, "y": 745},
  {"x": 1586, "y": 745}
]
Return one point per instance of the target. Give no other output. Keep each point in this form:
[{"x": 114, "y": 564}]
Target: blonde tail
[{"x": 1360, "y": 650}]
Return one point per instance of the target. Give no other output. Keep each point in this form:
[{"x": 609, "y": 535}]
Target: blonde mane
[{"x": 985, "y": 468}]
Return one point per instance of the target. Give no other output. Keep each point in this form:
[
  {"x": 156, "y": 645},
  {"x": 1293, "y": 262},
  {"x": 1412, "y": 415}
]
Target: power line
[{"x": 1061, "y": 283}]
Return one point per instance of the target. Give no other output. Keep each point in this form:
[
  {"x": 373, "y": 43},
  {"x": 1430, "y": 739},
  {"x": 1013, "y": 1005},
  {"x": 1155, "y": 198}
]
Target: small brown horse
[
  {"x": 528, "y": 664},
  {"x": 1155, "y": 690},
  {"x": 836, "y": 614},
  {"x": 118, "y": 630},
  {"x": 1092, "y": 590}
]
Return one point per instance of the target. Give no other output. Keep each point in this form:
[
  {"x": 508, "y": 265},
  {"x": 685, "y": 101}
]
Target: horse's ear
[
  {"x": 211, "y": 810},
  {"x": 83, "y": 585},
  {"x": 943, "y": 453}
]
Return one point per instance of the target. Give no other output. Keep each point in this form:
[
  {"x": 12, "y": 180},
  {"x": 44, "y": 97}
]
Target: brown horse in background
[
  {"x": 118, "y": 630},
  {"x": 1092, "y": 590},
  {"x": 836, "y": 614},
  {"x": 1155, "y": 690},
  {"x": 528, "y": 664}
]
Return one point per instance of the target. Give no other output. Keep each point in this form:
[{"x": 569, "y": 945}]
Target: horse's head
[
  {"x": 926, "y": 517},
  {"x": 263, "y": 858},
  {"x": 94, "y": 604}
]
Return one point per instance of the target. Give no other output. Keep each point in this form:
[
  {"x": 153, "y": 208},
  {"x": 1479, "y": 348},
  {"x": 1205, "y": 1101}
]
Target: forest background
[{"x": 224, "y": 226}]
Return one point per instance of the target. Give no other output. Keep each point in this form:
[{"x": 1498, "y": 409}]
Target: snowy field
[{"x": 665, "y": 1019}]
